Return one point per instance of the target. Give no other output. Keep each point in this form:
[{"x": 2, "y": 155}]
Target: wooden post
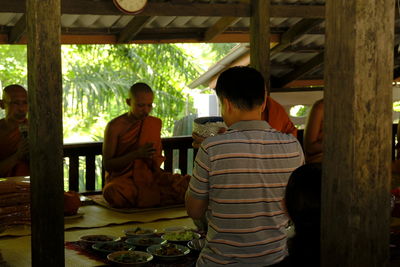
[
  {"x": 357, "y": 133},
  {"x": 260, "y": 37},
  {"x": 45, "y": 131}
]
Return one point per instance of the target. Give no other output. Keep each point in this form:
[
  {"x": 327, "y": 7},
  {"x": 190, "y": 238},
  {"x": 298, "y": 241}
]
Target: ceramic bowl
[{"x": 208, "y": 126}]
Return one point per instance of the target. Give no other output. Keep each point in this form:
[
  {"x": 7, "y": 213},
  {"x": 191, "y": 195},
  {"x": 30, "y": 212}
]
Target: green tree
[{"x": 97, "y": 91}]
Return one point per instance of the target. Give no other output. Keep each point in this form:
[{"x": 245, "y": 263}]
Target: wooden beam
[
  {"x": 17, "y": 31},
  {"x": 45, "y": 132},
  {"x": 357, "y": 133},
  {"x": 305, "y": 83},
  {"x": 260, "y": 38},
  {"x": 106, "y": 7},
  {"x": 297, "y": 30},
  {"x": 132, "y": 29},
  {"x": 298, "y": 11},
  {"x": 219, "y": 27},
  {"x": 309, "y": 66},
  {"x": 297, "y": 89}
]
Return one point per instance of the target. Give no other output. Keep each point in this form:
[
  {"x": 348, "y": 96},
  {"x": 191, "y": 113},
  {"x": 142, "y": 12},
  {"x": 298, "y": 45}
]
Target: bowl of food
[
  {"x": 130, "y": 258},
  {"x": 196, "y": 244},
  {"x": 145, "y": 241},
  {"x": 168, "y": 251},
  {"x": 140, "y": 232},
  {"x": 112, "y": 246},
  {"x": 208, "y": 126},
  {"x": 181, "y": 237},
  {"x": 98, "y": 238}
]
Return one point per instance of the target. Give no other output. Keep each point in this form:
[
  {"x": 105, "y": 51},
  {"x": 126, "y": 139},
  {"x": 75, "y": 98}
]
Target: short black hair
[
  {"x": 243, "y": 86},
  {"x": 303, "y": 196}
]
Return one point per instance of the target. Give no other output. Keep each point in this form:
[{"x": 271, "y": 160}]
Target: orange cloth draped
[
  {"x": 8, "y": 146},
  {"x": 142, "y": 183},
  {"x": 277, "y": 117}
]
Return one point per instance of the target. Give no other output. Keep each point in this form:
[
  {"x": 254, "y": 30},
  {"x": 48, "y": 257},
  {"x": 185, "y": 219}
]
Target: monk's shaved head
[
  {"x": 12, "y": 89},
  {"x": 15, "y": 103},
  {"x": 139, "y": 88}
]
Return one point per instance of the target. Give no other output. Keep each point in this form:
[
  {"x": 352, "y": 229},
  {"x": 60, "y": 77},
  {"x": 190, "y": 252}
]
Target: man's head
[
  {"x": 15, "y": 103},
  {"x": 244, "y": 89},
  {"x": 303, "y": 196},
  {"x": 140, "y": 100}
]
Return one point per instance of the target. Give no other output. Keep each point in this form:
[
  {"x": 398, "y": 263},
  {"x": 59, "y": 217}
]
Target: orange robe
[
  {"x": 142, "y": 183},
  {"x": 277, "y": 117},
  {"x": 8, "y": 146}
]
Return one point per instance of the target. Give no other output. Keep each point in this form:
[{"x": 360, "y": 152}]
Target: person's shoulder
[
  {"x": 319, "y": 104},
  {"x": 120, "y": 120}
]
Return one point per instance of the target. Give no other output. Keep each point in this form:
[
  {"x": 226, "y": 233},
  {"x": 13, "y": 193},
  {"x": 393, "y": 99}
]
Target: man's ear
[
  {"x": 128, "y": 101},
  {"x": 264, "y": 104},
  {"x": 227, "y": 105}
]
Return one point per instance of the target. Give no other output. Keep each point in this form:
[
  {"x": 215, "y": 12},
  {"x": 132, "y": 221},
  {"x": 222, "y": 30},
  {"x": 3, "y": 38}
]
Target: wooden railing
[{"x": 176, "y": 151}]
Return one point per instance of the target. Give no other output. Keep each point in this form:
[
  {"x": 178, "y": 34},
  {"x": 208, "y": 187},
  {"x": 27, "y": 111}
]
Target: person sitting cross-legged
[{"x": 132, "y": 157}]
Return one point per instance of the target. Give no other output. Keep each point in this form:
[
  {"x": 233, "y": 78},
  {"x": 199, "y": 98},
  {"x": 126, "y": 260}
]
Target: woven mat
[
  {"x": 99, "y": 199},
  {"x": 94, "y": 216}
]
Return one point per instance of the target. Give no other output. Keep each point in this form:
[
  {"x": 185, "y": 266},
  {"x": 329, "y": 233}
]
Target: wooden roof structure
[
  {"x": 357, "y": 55},
  {"x": 297, "y": 31}
]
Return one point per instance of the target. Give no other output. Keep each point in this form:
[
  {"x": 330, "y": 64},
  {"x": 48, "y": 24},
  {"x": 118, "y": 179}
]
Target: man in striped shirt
[{"x": 240, "y": 176}]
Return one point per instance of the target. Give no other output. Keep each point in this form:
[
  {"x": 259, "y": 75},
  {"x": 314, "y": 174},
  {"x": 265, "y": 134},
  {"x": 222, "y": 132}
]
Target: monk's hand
[
  {"x": 23, "y": 149},
  {"x": 146, "y": 151}
]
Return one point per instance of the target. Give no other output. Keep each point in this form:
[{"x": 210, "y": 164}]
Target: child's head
[{"x": 303, "y": 196}]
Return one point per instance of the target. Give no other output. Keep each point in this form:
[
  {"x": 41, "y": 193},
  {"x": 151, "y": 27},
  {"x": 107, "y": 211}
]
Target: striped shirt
[{"x": 243, "y": 174}]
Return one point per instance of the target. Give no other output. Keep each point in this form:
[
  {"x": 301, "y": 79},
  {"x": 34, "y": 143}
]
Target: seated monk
[
  {"x": 132, "y": 157},
  {"x": 313, "y": 133},
  {"x": 14, "y": 146}
]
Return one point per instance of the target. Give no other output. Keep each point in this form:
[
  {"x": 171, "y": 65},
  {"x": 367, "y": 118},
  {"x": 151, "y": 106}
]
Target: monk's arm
[
  {"x": 8, "y": 163},
  {"x": 114, "y": 163},
  {"x": 312, "y": 139},
  {"x": 195, "y": 208}
]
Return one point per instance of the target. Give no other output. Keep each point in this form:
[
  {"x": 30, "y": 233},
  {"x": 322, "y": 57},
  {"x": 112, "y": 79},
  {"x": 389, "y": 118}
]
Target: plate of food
[
  {"x": 112, "y": 246},
  {"x": 139, "y": 232},
  {"x": 145, "y": 241},
  {"x": 130, "y": 258},
  {"x": 98, "y": 238},
  {"x": 168, "y": 251},
  {"x": 183, "y": 236}
]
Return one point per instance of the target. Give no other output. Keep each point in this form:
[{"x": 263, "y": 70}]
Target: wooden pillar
[
  {"x": 357, "y": 133},
  {"x": 260, "y": 37},
  {"x": 45, "y": 131}
]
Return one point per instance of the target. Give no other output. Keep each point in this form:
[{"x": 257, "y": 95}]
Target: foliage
[
  {"x": 13, "y": 68},
  {"x": 299, "y": 111},
  {"x": 99, "y": 90}
]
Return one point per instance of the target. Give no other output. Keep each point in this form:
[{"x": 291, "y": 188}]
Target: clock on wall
[{"x": 130, "y": 6}]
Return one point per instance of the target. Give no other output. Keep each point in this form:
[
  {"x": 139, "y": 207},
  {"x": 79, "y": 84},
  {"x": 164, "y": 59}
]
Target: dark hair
[
  {"x": 303, "y": 202},
  {"x": 243, "y": 86},
  {"x": 139, "y": 88},
  {"x": 303, "y": 195}
]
